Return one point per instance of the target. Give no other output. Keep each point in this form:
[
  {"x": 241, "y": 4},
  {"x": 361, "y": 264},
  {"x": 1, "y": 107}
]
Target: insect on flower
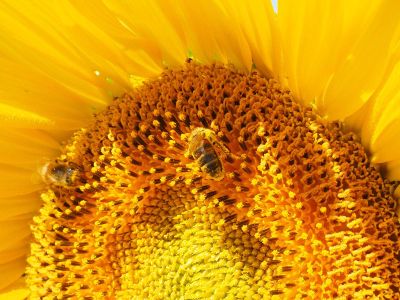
[
  {"x": 206, "y": 150},
  {"x": 59, "y": 174}
]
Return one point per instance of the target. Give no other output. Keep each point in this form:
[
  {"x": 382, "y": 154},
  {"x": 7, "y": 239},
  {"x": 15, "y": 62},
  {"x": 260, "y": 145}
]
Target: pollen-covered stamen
[{"x": 297, "y": 211}]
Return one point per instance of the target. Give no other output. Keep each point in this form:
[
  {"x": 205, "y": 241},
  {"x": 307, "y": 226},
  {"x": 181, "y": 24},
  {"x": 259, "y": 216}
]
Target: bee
[
  {"x": 59, "y": 174},
  {"x": 205, "y": 149}
]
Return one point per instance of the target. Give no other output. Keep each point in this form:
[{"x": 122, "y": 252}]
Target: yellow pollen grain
[
  {"x": 143, "y": 127},
  {"x": 299, "y": 205}
]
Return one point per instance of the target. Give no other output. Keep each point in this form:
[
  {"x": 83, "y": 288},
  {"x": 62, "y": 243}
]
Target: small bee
[
  {"x": 203, "y": 147},
  {"x": 59, "y": 174}
]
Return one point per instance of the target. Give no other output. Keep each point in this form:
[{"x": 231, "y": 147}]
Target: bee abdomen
[
  {"x": 213, "y": 167},
  {"x": 209, "y": 162},
  {"x": 207, "y": 158}
]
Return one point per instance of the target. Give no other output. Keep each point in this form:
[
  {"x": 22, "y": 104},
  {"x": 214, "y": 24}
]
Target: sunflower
[{"x": 164, "y": 149}]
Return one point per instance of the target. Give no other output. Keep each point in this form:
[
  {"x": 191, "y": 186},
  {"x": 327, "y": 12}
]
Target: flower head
[{"x": 130, "y": 209}]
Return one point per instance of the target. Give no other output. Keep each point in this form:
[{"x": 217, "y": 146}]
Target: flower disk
[{"x": 299, "y": 211}]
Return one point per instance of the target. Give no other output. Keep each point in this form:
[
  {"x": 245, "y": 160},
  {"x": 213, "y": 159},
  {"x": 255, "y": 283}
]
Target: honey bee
[
  {"x": 204, "y": 148},
  {"x": 59, "y": 174}
]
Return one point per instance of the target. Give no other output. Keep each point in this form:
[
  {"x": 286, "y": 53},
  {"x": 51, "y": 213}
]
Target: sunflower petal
[
  {"x": 28, "y": 148},
  {"x": 12, "y": 116},
  {"x": 22, "y": 153},
  {"x": 323, "y": 47},
  {"x": 385, "y": 147},
  {"x": 117, "y": 46},
  {"x": 14, "y": 207},
  {"x": 15, "y": 291},
  {"x": 366, "y": 66},
  {"x": 47, "y": 51},
  {"x": 15, "y": 236},
  {"x": 10, "y": 272},
  {"x": 17, "y": 251},
  {"x": 215, "y": 35},
  {"x": 136, "y": 17},
  {"x": 258, "y": 23},
  {"x": 16, "y": 181},
  {"x": 16, "y": 231},
  {"x": 379, "y": 122},
  {"x": 393, "y": 171}
]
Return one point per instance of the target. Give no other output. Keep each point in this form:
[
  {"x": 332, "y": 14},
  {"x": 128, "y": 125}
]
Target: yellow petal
[
  {"x": 17, "y": 252},
  {"x": 379, "y": 122},
  {"x": 365, "y": 66},
  {"x": 386, "y": 146},
  {"x": 213, "y": 35},
  {"x": 28, "y": 148},
  {"x": 17, "y": 231},
  {"x": 14, "y": 207},
  {"x": 15, "y": 291},
  {"x": 117, "y": 46},
  {"x": 12, "y": 116},
  {"x": 257, "y": 20},
  {"x": 40, "y": 97},
  {"x": 137, "y": 15},
  {"x": 22, "y": 153},
  {"x": 393, "y": 170},
  {"x": 335, "y": 52},
  {"x": 313, "y": 36},
  {"x": 17, "y": 181},
  {"x": 10, "y": 272},
  {"x": 55, "y": 57}
]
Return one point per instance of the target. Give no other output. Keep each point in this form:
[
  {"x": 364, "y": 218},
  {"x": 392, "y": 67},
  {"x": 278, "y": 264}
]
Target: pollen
[{"x": 300, "y": 211}]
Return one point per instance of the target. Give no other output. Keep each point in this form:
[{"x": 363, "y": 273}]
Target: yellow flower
[{"x": 61, "y": 62}]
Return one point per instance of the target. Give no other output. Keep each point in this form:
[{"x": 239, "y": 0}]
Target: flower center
[{"x": 209, "y": 183}]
